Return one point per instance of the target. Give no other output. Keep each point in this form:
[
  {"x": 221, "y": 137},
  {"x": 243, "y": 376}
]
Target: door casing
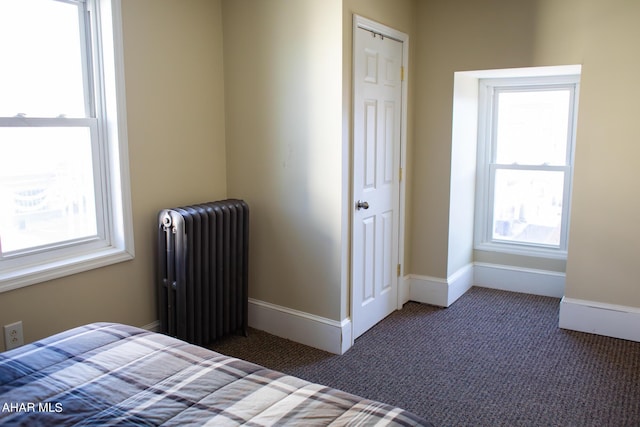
[{"x": 364, "y": 23}]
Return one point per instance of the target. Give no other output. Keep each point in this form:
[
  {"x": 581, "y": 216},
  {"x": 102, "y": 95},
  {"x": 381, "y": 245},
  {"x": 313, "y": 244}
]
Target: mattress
[{"x": 113, "y": 374}]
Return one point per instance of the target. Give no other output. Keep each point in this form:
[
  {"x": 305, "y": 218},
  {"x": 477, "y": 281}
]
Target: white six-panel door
[{"x": 376, "y": 177}]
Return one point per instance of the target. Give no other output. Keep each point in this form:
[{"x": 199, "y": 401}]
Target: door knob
[{"x": 362, "y": 205}]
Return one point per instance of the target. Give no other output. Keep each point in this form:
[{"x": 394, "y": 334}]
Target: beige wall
[
  {"x": 601, "y": 35},
  {"x": 456, "y": 35},
  {"x": 287, "y": 120},
  {"x": 288, "y": 85},
  {"x": 605, "y": 234},
  {"x": 283, "y": 82},
  {"x": 173, "y": 57}
]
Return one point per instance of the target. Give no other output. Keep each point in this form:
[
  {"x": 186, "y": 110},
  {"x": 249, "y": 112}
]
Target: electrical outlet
[{"x": 13, "y": 335}]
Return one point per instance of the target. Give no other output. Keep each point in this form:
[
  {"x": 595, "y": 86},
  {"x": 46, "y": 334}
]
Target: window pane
[
  {"x": 528, "y": 206},
  {"x": 42, "y": 67},
  {"x": 46, "y": 187},
  {"x": 532, "y": 127}
]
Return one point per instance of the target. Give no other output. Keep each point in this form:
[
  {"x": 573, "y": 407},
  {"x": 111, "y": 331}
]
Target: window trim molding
[
  {"x": 483, "y": 240},
  {"x": 119, "y": 245}
]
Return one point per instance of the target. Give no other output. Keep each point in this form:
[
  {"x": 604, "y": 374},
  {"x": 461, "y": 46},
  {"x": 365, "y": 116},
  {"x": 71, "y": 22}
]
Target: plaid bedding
[{"x": 112, "y": 374}]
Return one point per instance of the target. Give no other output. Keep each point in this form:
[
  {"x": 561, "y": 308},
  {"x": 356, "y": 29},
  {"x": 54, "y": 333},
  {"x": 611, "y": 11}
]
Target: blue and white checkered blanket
[{"x": 112, "y": 374}]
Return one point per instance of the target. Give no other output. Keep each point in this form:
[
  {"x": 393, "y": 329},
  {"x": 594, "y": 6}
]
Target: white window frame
[
  {"x": 487, "y": 167},
  {"x": 114, "y": 242}
]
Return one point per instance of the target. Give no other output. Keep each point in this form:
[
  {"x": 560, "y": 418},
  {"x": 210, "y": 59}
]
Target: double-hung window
[
  {"x": 64, "y": 199},
  {"x": 525, "y": 164}
]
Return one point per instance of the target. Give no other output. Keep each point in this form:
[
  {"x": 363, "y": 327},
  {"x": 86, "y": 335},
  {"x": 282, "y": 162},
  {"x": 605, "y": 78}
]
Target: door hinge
[
  {"x": 400, "y": 175},
  {"x": 402, "y": 73},
  {"x": 399, "y": 268}
]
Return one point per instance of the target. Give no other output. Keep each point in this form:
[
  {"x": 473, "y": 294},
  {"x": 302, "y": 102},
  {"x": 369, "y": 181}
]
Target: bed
[{"x": 113, "y": 374}]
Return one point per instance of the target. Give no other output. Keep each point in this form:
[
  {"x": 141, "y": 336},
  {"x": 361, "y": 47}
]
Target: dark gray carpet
[{"x": 493, "y": 358}]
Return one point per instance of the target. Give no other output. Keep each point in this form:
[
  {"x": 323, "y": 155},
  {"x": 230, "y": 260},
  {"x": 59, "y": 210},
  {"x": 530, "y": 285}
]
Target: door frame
[{"x": 386, "y": 31}]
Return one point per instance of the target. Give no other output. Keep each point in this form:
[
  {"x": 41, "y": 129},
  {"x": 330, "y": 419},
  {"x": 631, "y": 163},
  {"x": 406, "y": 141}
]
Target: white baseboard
[
  {"x": 428, "y": 290},
  {"x": 404, "y": 290},
  {"x": 598, "y": 318},
  {"x": 314, "y": 331},
  {"x": 440, "y": 292},
  {"x": 516, "y": 279},
  {"x": 335, "y": 337},
  {"x": 444, "y": 292},
  {"x": 460, "y": 282}
]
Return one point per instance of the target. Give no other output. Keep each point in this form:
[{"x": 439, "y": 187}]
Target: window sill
[
  {"x": 522, "y": 250},
  {"x": 29, "y": 275}
]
